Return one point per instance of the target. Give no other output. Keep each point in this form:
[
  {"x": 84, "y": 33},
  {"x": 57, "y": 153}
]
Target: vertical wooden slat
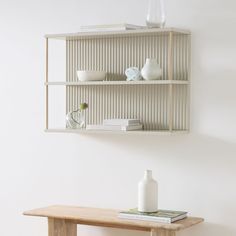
[
  {"x": 170, "y": 77},
  {"x": 189, "y": 79},
  {"x": 46, "y": 88},
  {"x": 67, "y": 79}
]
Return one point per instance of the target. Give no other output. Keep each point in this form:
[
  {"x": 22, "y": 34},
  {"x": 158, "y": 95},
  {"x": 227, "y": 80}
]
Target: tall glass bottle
[{"x": 156, "y": 16}]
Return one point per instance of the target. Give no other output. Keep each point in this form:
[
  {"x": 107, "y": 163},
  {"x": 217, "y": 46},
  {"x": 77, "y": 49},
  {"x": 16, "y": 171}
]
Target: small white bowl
[{"x": 85, "y": 75}]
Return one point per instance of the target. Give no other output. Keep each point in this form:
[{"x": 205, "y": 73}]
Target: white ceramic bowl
[{"x": 85, "y": 75}]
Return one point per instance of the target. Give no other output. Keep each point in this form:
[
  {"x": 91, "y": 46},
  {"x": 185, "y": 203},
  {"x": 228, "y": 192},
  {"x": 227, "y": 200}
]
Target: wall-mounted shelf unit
[{"x": 162, "y": 105}]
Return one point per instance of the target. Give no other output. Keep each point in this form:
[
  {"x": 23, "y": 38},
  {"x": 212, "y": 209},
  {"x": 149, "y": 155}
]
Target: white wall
[{"x": 196, "y": 172}]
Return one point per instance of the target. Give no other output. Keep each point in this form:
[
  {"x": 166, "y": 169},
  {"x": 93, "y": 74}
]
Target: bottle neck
[
  {"x": 148, "y": 174},
  {"x": 151, "y": 61}
]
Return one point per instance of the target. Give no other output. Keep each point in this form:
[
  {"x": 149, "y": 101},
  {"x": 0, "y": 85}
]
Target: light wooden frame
[{"x": 168, "y": 99}]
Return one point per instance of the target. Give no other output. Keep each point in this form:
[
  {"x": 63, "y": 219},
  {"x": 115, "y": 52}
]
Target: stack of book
[
  {"x": 161, "y": 216},
  {"x": 122, "y": 124},
  {"x": 112, "y": 27},
  {"x": 117, "y": 125}
]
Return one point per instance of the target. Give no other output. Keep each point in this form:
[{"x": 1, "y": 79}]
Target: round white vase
[
  {"x": 147, "y": 193},
  {"x": 151, "y": 70}
]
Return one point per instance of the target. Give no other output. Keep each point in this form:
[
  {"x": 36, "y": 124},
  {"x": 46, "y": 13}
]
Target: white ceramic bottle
[
  {"x": 151, "y": 70},
  {"x": 147, "y": 193}
]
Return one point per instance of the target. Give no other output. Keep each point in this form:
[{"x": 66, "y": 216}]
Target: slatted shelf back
[
  {"x": 115, "y": 54},
  {"x": 180, "y": 106},
  {"x": 125, "y": 101},
  {"x": 152, "y": 104}
]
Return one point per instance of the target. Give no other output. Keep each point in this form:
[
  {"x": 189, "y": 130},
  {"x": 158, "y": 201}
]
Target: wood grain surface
[{"x": 107, "y": 218}]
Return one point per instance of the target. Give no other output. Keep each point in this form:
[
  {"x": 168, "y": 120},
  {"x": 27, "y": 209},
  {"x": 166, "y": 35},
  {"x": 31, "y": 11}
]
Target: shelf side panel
[
  {"x": 181, "y": 57},
  {"x": 180, "y": 107}
]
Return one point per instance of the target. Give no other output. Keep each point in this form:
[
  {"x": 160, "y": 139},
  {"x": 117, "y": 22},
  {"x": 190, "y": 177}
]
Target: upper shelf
[
  {"x": 84, "y": 35},
  {"x": 119, "y": 82}
]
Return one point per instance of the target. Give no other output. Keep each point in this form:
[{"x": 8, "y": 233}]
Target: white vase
[
  {"x": 151, "y": 70},
  {"x": 147, "y": 193}
]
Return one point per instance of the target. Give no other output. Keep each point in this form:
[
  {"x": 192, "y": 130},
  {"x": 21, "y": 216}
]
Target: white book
[
  {"x": 115, "y": 127},
  {"x": 162, "y": 216},
  {"x": 123, "y": 127},
  {"x": 112, "y": 27},
  {"x": 121, "y": 122},
  {"x": 151, "y": 218}
]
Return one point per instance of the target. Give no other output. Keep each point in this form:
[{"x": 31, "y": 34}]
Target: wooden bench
[{"x": 63, "y": 220}]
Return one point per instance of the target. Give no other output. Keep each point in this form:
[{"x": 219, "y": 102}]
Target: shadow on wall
[
  {"x": 207, "y": 229},
  {"x": 190, "y": 144},
  {"x": 204, "y": 229},
  {"x": 204, "y": 164}
]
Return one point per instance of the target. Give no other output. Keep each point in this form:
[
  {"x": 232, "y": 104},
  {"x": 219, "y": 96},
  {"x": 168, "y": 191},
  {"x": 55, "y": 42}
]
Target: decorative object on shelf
[
  {"x": 76, "y": 119},
  {"x": 151, "y": 70},
  {"x": 147, "y": 193},
  {"x": 84, "y": 75},
  {"x": 133, "y": 73},
  {"x": 156, "y": 17}
]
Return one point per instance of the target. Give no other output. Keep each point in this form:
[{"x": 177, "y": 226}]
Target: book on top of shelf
[
  {"x": 121, "y": 122},
  {"x": 115, "y": 127},
  {"x": 123, "y": 127},
  {"x": 161, "y": 216},
  {"x": 110, "y": 27}
]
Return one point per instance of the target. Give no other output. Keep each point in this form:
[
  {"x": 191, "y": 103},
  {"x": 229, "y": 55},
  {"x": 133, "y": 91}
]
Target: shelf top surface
[
  {"x": 104, "y": 34},
  {"x": 107, "y": 217},
  {"x": 120, "y": 82},
  {"x": 133, "y": 132}
]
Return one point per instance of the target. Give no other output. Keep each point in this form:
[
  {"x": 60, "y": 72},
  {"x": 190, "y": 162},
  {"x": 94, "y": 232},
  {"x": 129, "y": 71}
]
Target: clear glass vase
[
  {"x": 76, "y": 119},
  {"x": 156, "y": 16}
]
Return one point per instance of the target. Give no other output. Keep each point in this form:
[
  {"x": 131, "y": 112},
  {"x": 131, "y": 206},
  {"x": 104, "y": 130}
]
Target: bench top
[{"x": 107, "y": 218}]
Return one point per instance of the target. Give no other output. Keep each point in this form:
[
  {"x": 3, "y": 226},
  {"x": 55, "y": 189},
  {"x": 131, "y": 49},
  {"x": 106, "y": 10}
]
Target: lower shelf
[{"x": 136, "y": 132}]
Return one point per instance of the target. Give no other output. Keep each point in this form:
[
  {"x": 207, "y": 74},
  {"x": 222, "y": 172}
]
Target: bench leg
[
  {"x": 155, "y": 232},
  {"x": 57, "y": 227}
]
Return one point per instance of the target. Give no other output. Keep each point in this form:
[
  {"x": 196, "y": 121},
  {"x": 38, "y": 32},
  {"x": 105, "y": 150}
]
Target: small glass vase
[
  {"x": 156, "y": 17},
  {"x": 76, "y": 119}
]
